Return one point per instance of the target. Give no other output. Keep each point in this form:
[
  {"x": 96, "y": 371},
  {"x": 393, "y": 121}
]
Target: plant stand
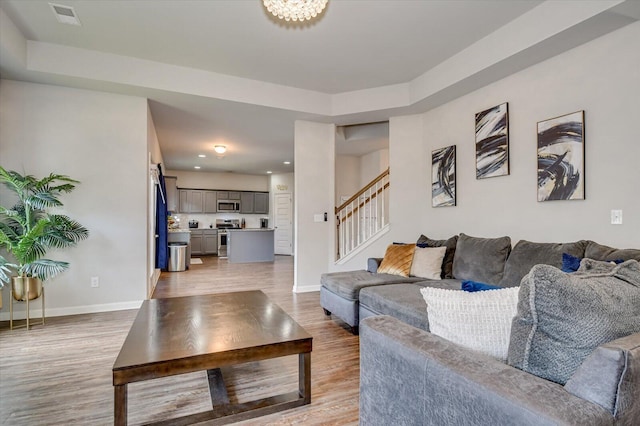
[{"x": 27, "y": 324}]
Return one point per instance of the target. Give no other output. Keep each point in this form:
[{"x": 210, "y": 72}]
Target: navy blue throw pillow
[
  {"x": 570, "y": 263},
  {"x": 472, "y": 286}
]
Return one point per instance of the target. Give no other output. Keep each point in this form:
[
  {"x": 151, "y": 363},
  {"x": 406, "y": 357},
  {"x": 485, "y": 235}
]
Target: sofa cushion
[
  {"x": 348, "y": 284},
  {"x": 481, "y": 259},
  {"x": 397, "y": 260},
  {"x": 597, "y": 251},
  {"x": 427, "y": 262},
  {"x": 450, "y": 244},
  {"x": 525, "y": 254},
  {"x": 604, "y": 378},
  {"x": 480, "y": 321},
  {"x": 563, "y": 317},
  {"x": 402, "y": 301}
]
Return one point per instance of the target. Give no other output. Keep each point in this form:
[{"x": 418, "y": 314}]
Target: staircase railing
[{"x": 362, "y": 216}]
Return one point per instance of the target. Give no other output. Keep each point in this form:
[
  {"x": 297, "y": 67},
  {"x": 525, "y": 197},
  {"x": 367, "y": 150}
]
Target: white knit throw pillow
[{"x": 480, "y": 321}]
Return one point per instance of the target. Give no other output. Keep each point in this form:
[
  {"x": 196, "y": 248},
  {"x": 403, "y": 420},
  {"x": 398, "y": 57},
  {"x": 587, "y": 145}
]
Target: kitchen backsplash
[{"x": 207, "y": 220}]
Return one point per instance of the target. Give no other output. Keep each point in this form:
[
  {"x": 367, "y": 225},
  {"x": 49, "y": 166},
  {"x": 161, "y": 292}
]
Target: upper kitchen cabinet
[
  {"x": 246, "y": 202},
  {"x": 261, "y": 202},
  {"x": 171, "y": 184},
  {"x": 228, "y": 195},
  {"x": 191, "y": 201},
  {"x": 210, "y": 202}
]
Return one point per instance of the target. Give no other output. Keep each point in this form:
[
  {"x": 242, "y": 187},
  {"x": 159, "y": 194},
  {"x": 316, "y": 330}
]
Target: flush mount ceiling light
[
  {"x": 295, "y": 10},
  {"x": 196, "y": 167},
  {"x": 220, "y": 149},
  {"x": 287, "y": 162},
  {"x": 202, "y": 156}
]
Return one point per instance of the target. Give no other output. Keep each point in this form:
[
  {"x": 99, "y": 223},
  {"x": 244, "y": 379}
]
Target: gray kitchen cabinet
[
  {"x": 210, "y": 241},
  {"x": 261, "y": 202},
  {"x": 171, "y": 184},
  {"x": 210, "y": 202},
  {"x": 234, "y": 195},
  {"x": 246, "y": 202},
  {"x": 191, "y": 201},
  {"x": 222, "y": 195},
  {"x": 196, "y": 242}
]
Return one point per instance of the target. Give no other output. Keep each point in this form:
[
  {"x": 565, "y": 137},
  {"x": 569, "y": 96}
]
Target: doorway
[{"x": 283, "y": 221}]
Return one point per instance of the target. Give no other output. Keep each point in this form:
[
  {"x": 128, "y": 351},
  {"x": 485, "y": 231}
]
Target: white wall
[
  {"x": 347, "y": 176},
  {"x": 372, "y": 164},
  {"x": 603, "y": 79},
  {"x": 99, "y": 139},
  {"x": 314, "y": 152},
  {"x": 232, "y": 181}
]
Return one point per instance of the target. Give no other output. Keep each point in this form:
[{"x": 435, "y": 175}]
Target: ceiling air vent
[{"x": 65, "y": 14}]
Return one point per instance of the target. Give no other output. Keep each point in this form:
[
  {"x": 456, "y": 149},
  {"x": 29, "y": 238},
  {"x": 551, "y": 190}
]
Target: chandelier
[{"x": 295, "y": 10}]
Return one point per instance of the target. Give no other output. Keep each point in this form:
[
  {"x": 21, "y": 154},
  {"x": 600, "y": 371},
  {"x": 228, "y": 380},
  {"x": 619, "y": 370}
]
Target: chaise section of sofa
[
  {"x": 411, "y": 377},
  {"x": 340, "y": 291}
]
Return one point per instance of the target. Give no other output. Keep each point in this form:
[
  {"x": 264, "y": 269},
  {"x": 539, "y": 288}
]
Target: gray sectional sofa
[{"x": 410, "y": 376}]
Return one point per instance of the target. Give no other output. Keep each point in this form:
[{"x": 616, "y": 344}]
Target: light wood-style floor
[{"x": 60, "y": 374}]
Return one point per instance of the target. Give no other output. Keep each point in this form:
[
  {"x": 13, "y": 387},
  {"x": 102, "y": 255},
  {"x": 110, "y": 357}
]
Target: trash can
[{"x": 177, "y": 257}]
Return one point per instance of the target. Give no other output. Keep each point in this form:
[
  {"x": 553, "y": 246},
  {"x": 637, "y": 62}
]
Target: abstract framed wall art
[
  {"x": 443, "y": 177},
  {"x": 492, "y": 142},
  {"x": 561, "y": 158}
]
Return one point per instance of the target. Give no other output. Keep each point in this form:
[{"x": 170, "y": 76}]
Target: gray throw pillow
[
  {"x": 526, "y": 254},
  {"x": 450, "y": 244},
  {"x": 481, "y": 259},
  {"x": 562, "y": 318},
  {"x": 599, "y": 252}
]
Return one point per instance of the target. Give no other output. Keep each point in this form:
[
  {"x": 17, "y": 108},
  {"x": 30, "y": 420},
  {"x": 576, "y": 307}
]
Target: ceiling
[{"x": 227, "y": 72}]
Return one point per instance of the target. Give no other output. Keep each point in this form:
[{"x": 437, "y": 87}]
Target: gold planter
[{"x": 26, "y": 288}]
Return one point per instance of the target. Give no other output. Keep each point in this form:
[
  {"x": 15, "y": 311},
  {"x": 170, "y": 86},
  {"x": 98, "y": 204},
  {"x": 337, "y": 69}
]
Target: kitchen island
[
  {"x": 177, "y": 235},
  {"x": 250, "y": 245}
]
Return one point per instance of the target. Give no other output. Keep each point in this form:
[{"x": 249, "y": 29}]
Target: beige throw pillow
[
  {"x": 397, "y": 260},
  {"x": 427, "y": 262}
]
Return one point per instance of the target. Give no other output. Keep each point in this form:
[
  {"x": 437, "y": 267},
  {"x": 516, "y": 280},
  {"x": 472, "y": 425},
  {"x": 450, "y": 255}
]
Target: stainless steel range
[{"x": 222, "y": 225}]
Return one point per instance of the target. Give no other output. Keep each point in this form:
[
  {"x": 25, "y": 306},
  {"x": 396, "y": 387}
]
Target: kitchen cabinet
[
  {"x": 204, "y": 241},
  {"x": 210, "y": 241},
  {"x": 210, "y": 202},
  {"x": 246, "y": 202},
  {"x": 261, "y": 202},
  {"x": 196, "y": 242},
  {"x": 171, "y": 184},
  {"x": 228, "y": 195},
  {"x": 191, "y": 201}
]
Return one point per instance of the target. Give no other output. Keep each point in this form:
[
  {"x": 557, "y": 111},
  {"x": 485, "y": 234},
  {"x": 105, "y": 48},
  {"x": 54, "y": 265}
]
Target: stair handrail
[{"x": 362, "y": 191}]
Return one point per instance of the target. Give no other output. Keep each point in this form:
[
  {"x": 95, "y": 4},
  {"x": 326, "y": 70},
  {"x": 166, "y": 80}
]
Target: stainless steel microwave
[{"x": 228, "y": 206}]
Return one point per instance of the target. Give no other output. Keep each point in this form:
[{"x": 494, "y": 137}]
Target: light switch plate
[
  {"x": 318, "y": 217},
  {"x": 616, "y": 217}
]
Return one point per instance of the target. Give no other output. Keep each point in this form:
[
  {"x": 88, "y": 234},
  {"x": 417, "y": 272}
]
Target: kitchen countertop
[{"x": 251, "y": 229}]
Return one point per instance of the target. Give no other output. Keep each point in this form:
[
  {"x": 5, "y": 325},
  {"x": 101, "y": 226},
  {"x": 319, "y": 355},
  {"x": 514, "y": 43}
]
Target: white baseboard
[
  {"x": 306, "y": 288},
  {"x": 36, "y": 311}
]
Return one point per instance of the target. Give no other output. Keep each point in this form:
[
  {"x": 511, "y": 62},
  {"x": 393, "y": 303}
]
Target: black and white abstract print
[
  {"x": 492, "y": 142},
  {"x": 561, "y": 158},
  {"x": 443, "y": 176}
]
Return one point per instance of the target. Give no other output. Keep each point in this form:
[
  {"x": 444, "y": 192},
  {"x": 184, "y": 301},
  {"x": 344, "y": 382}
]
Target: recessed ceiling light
[
  {"x": 196, "y": 167},
  {"x": 287, "y": 162},
  {"x": 202, "y": 156},
  {"x": 220, "y": 149},
  {"x": 269, "y": 172}
]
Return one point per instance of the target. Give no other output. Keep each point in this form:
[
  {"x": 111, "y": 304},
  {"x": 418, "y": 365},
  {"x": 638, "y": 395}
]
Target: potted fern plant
[{"x": 28, "y": 230}]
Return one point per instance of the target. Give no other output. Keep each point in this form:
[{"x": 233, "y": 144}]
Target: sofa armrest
[
  {"x": 412, "y": 377},
  {"x": 373, "y": 263}
]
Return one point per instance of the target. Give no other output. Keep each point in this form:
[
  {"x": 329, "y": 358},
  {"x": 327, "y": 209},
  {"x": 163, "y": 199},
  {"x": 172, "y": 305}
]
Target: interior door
[{"x": 283, "y": 218}]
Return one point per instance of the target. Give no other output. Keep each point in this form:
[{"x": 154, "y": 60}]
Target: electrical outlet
[
  {"x": 95, "y": 282},
  {"x": 616, "y": 217}
]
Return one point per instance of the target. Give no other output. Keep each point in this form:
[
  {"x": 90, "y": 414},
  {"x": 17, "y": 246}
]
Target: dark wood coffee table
[{"x": 195, "y": 333}]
